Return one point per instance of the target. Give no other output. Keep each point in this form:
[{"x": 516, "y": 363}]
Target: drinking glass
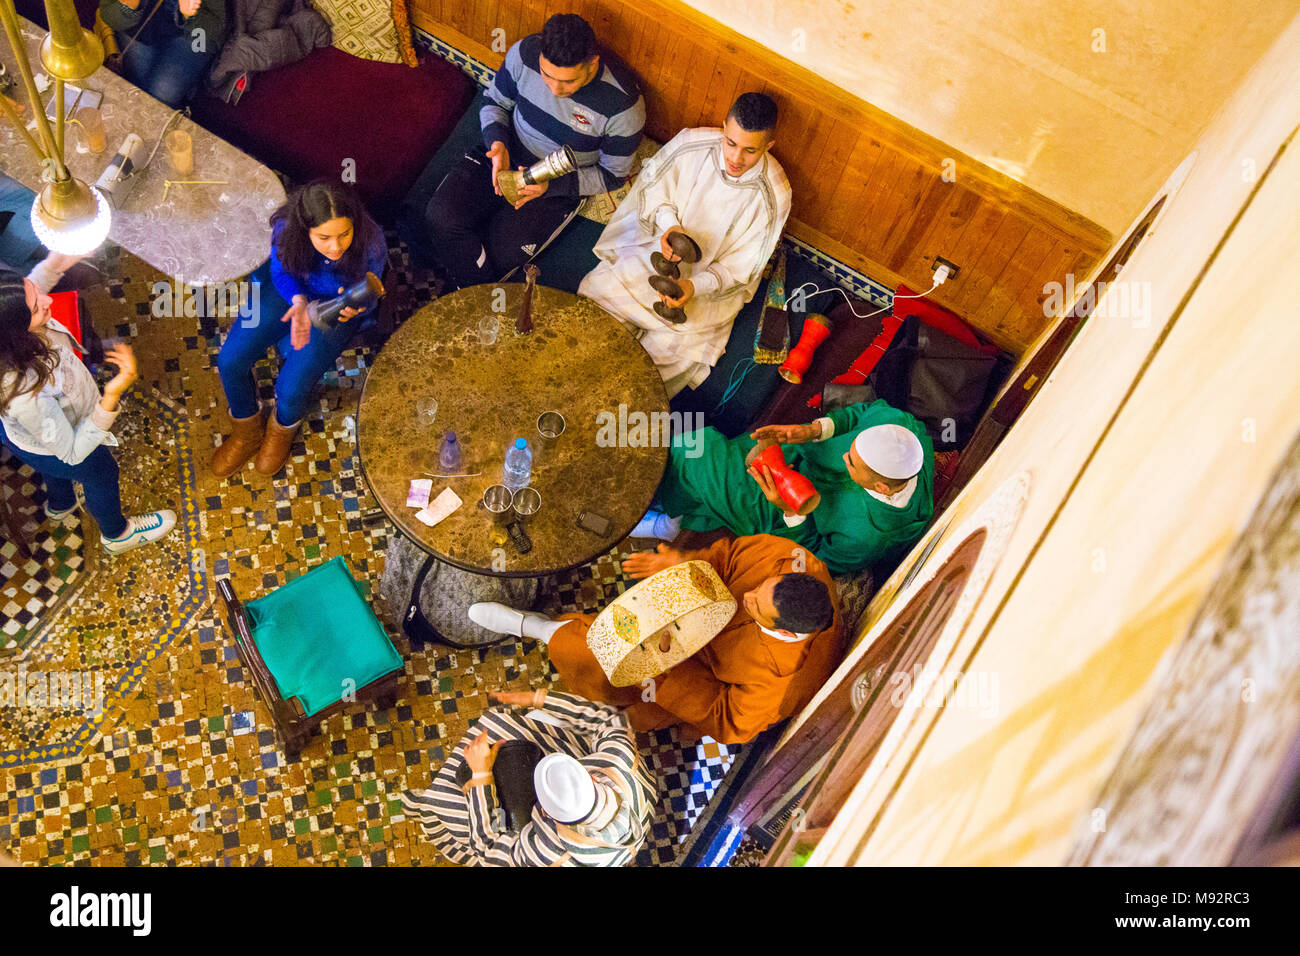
[
  {"x": 426, "y": 410},
  {"x": 498, "y": 503},
  {"x": 526, "y": 502},
  {"x": 90, "y": 130},
  {"x": 180, "y": 149},
  {"x": 550, "y": 426}
]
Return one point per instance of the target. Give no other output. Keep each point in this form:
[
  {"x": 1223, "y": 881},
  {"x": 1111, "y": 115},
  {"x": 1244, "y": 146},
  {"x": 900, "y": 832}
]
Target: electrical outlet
[{"x": 952, "y": 269}]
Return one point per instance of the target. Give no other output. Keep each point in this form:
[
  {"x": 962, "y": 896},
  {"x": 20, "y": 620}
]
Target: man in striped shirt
[
  {"x": 594, "y": 805},
  {"x": 555, "y": 89}
]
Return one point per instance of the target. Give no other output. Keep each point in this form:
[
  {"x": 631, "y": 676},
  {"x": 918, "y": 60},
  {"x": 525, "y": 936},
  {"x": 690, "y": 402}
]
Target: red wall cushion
[{"x": 306, "y": 118}]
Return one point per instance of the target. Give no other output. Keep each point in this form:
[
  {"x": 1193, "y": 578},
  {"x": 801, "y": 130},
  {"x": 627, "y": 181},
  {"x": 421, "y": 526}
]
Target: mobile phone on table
[
  {"x": 74, "y": 98},
  {"x": 597, "y": 524}
]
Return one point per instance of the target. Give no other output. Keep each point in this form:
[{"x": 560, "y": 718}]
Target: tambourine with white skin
[{"x": 660, "y": 622}]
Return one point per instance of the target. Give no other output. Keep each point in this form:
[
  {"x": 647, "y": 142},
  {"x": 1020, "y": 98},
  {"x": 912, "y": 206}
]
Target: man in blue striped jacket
[{"x": 555, "y": 89}]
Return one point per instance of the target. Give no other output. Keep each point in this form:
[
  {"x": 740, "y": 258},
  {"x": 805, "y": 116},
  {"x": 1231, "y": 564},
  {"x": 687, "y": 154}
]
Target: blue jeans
[
  {"x": 97, "y": 473},
  {"x": 169, "y": 70},
  {"x": 246, "y": 344},
  {"x": 18, "y": 243}
]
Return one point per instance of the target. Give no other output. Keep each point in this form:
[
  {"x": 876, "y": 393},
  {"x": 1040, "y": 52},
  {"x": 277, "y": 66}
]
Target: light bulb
[{"x": 77, "y": 238}]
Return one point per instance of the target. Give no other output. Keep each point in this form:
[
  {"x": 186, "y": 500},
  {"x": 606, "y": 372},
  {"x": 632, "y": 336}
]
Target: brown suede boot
[
  {"x": 275, "y": 447},
  {"x": 239, "y": 446}
]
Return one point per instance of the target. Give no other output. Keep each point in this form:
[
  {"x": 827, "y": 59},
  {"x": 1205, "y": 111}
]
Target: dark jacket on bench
[{"x": 265, "y": 34}]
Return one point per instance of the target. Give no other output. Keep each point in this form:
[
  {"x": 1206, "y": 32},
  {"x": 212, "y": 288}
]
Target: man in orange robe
[{"x": 781, "y": 645}]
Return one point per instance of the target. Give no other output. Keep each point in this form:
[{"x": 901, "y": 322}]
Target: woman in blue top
[{"x": 322, "y": 240}]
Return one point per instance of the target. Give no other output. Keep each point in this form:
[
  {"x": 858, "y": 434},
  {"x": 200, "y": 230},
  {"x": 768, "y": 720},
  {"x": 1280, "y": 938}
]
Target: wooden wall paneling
[
  {"x": 477, "y": 16},
  {"x": 967, "y": 249},
  {"x": 942, "y": 231},
  {"x": 458, "y": 16},
  {"x": 1008, "y": 235},
  {"x": 841, "y": 142},
  {"x": 1020, "y": 269},
  {"x": 1053, "y": 269},
  {"x": 909, "y": 253},
  {"x": 511, "y": 17},
  {"x": 697, "y": 85},
  {"x": 919, "y": 199},
  {"x": 719, "y": 96},
  {"x": 887, "y": 206},
  {"x": 846, "y": 203},
  {"x": 531, "y": 18}
]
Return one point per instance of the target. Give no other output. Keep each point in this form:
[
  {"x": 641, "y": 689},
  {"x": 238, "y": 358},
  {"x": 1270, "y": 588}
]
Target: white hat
[
  {"x": 891, "y": 451},
  {"x": 564, "y": 788}
]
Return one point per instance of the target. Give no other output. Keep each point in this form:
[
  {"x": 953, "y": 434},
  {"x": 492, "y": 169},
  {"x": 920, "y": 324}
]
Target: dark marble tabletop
[{"x": 579, "y": 361}]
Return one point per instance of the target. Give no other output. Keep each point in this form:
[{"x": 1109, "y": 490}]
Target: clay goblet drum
[
  {"x": 660, "y": 622},
  {"x": 795, "y": 490}
]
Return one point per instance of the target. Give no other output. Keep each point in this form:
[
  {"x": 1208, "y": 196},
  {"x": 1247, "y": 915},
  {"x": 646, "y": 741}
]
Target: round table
[{"x": 580, "y": 361}]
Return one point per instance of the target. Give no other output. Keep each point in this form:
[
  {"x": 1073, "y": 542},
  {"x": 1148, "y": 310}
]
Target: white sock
[
  {"x": 540, "y": 627},
  {"x": 656, "y": 524},
  {"x": 506, "y": 620}
]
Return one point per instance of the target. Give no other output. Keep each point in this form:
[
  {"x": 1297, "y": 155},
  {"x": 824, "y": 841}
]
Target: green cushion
[{"x": 319, "y": 638}]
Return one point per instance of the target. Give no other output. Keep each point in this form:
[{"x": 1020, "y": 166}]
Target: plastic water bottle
[
  {"x": 519, "y": 466},
  {"x": 449, "y": 455}
]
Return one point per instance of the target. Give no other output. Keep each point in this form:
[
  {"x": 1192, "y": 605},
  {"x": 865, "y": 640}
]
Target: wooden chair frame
[{"x": 291, "y": 721}]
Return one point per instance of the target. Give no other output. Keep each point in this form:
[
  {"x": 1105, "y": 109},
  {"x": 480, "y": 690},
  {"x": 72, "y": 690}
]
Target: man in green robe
[{"x": 872, "y": 464}]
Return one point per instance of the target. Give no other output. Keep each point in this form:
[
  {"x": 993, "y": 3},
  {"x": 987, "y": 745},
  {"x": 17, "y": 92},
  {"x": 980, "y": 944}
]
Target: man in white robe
[{"x": 724, "y": 189}]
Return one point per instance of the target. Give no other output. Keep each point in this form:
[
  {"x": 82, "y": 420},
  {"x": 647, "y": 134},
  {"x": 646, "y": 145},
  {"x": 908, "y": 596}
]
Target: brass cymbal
[
  {"x": 664, "y": 266},
  {"x": 686, "y": 248},
  {"x": 666, "y": 286},
  {"x": 670, "y": 314}
]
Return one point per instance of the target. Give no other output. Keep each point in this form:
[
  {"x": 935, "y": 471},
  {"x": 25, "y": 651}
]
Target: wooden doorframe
[{"x": 840, "y": 738}]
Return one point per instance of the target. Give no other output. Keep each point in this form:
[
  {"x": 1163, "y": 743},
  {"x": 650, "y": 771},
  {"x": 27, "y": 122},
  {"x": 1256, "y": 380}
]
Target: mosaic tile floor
[
  {"x": 31, "y": 587},
  {"x": 177, "y": 762}
]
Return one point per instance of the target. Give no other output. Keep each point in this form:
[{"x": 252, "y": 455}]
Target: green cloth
[
  {"x": 168, "y": 21},
  {"x": 319, "y": 638},
  {"x": 849, "y": 530}
]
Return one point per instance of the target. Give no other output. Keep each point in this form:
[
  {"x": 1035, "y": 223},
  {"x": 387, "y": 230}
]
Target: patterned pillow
[{"x": 364, "y": 28}]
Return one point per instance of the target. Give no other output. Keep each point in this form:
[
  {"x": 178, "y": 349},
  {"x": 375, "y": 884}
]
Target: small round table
[{"x": 579, "y": 361}]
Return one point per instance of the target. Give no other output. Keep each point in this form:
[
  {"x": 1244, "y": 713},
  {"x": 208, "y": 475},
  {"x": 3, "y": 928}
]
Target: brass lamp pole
[{"x": 68, "y": 215}]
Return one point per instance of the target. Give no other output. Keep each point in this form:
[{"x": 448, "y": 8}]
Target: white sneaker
[
  {"x": 500, "y": 619},
  {"x": 142, "y": 529},
  {"x": 60, "y": 515}
]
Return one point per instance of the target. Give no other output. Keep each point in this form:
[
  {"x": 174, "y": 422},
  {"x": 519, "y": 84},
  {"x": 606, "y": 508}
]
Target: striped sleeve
[
  {"x": 494, "y": 117},
  {"x": 617, "y": 152},
  {"x": 587, "y": 716}
]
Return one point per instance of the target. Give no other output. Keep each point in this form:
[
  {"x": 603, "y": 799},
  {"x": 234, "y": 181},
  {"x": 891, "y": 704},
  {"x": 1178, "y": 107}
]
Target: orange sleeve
[{"x": 729, "y": 713}]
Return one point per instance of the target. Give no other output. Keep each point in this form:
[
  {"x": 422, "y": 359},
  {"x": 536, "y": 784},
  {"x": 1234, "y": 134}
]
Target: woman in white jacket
[{"x": 52, "y": 415}]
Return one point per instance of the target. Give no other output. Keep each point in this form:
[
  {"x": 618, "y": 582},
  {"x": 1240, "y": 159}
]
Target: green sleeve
[
  {"x": 851, "y": 418},
  {"x": 122, "y": 18},
  {"x": 211, "y": 18},
  {"x": 841, "y": 553}
]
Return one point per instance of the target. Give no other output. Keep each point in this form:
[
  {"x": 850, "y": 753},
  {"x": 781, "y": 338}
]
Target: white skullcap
[
  {"x": 565, "y": 790},
  {"x": 891, "y": 451}
]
